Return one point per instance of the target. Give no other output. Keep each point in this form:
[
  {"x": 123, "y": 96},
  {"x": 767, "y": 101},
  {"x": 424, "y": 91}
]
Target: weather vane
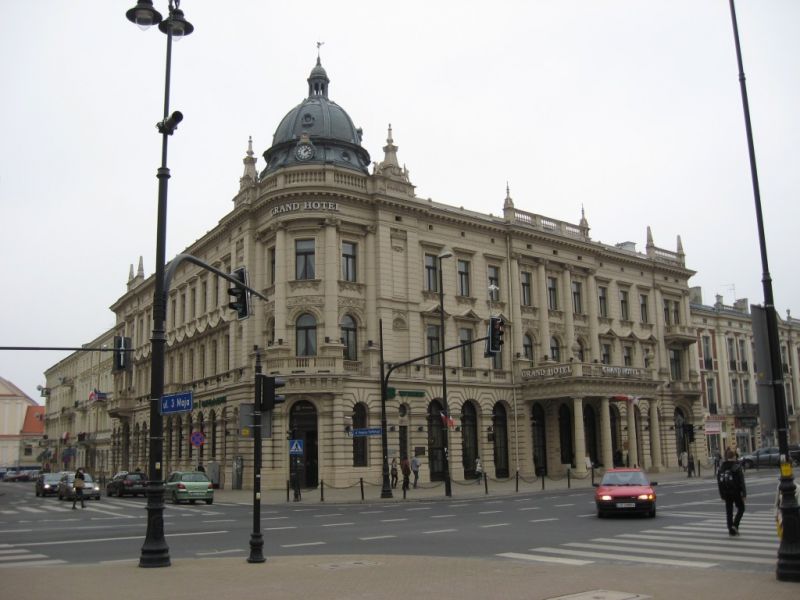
[{"x": 318, "y": 46}]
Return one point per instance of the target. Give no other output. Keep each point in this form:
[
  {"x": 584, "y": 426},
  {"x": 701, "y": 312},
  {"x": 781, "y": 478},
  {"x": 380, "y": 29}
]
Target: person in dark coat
[
  {"x": 405, "y": 468},
  {"x": 732, "y": 490},
  {"x": 78, "y": 483}
]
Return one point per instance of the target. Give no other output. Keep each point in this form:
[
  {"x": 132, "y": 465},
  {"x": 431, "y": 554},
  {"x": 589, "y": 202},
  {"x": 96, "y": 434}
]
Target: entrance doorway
[
  {"x": 303, "y": 426},
  {"x": 435, "y": 441}
]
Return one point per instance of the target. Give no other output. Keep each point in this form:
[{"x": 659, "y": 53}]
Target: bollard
[
  {"x": 361, "y": 481},
  {"x": 516, "y": 476},
  {"x": 486, "y": 484},
  {"x": 569, "y": 483},
  {"x": 288, "y": 485},
  {"x": 322, "y": 490},
  {"x": 592, "y": 474},
  {"x": 542, "y": 476},
  {"x": 404, "y": 492}
]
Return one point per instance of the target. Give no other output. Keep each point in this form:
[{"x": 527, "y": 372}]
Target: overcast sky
[{"x": 629, "y": 108}]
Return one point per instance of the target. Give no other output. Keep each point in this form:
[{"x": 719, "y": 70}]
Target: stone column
[
  {"x": 580, "y": 436},
  {"x": 594, "y": 339},
  {"x": 605, "y": 434},
  {"x": 330, "y": 257},
  {"x": 569, "y": 319},
  {"x": 633, "y": 450},
  {"x": 283, "y": 255},
  {"x": 371, "y": 280},
  {"x": 516, "y": 305},
  {"x": 544, "y": 313},
  {"x": 655, "y": 436}
]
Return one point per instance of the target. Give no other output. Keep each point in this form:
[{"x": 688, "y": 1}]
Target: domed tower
[{"x": 317, "y": 131}]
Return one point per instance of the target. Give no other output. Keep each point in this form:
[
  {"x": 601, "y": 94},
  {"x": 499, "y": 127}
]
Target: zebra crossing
[
  {"x": 55, "y": 506},
  {"x": 701, "y": 545},
  {"x": 19, "y": 557}
]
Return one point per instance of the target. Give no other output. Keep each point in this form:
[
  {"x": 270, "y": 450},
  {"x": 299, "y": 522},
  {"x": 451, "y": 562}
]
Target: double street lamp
[{"x": 155, "y": 552}]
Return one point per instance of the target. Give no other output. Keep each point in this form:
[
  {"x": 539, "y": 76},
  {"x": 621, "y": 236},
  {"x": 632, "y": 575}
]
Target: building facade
[
  {"x": 18, "y": 442},
  {"x": 729, "y": 375},
  {"x": 77, "y": 421},
  {"x": 598, "y": 359}
]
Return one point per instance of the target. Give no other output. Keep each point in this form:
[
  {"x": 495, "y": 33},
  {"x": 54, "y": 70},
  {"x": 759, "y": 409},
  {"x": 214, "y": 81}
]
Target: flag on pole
[{"x": 447, "y": 420}]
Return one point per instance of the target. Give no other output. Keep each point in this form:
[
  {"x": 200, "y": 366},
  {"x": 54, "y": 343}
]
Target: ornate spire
[
  {"x": 584, "y": 222},
  {"x": 508, "y": 203},
  {"x": 390, "y": 151},
  {"x": 680, "y": 247},
  {"x": 130, "y": 274},
  {"x": 650, "y": 243},
  {"x": 140, "y": 270},
  {"x": 318, "y": 80},
  {"x": 250, "y": 175},
  {"x": 389, "y": 166}
]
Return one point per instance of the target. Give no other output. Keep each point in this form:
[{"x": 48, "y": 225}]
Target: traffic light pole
[{"x": 256, "y": 539}]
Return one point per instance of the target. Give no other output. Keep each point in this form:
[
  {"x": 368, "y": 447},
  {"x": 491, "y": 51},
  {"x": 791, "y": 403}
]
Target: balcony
[
  {"x": 121, "y": 408},
  {"x": 680, "y": 335},
  {"x": 744, "y": 410}
]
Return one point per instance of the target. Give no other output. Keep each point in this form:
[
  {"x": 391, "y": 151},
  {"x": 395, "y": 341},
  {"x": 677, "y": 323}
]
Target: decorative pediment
[{"x": 469, "y": 315}]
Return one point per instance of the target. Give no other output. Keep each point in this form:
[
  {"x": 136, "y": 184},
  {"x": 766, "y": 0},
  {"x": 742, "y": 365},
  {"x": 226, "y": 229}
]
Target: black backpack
[{"x": 726, "y": 480}]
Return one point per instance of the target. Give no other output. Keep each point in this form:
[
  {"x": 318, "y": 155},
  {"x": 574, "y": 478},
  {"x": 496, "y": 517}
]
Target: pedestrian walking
[
  {"x": 730, "y": 481},
  {"x": 683, "y": 460},
  {"x": 394, "y": 473},
  {"x": 78, "y": 483},
  {"x": 478, "y": 469},
  {"x": 415, "y": 464},
  {"x": 405, "y": 468}
]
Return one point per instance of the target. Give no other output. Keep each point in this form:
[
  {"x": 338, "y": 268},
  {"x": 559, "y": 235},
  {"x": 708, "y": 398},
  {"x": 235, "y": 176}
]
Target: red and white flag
[{"x": 447, "y": 420}]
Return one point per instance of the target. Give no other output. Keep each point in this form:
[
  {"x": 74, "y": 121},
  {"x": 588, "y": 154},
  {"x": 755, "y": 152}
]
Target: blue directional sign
[
  {"x": 177, "y": 403},
  {"x": 366, "y": 431},
  {"x": 295, "y": 447}
]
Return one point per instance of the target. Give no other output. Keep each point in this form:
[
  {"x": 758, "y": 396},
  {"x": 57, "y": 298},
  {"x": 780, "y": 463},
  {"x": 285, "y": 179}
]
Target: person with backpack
[{"x": 730, "y": 481}]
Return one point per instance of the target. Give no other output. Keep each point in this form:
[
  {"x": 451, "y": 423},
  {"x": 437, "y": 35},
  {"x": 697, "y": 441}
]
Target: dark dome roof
[{"x": 321, "y": 123}]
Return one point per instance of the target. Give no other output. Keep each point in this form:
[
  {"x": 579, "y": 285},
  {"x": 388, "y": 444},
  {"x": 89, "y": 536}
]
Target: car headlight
[
  {"x": 605, "y": 497},
  {"x": 646, "y": 496},
  {"x": 97, "y": 488}
]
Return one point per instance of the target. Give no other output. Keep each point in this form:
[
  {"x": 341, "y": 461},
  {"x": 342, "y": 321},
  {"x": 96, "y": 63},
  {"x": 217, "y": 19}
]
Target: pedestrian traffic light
[
  {"x": 122, "y": 348},
  {"x": 240, "y": 294},
  {"x": 496, "y": 330},
  {"x": 268, "y": 386}
]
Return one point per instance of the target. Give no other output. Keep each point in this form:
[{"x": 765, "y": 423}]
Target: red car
[{"x": 625, "y": 491}]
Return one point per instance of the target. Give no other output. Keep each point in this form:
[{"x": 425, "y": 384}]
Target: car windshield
[
  {"x": 135, "y": 476},
  {"x": 194, "y": 477},
  {"x": 86, "y": 478},
  {"x": 624, "y": 478},
  {"x": 50, "y": 477}
]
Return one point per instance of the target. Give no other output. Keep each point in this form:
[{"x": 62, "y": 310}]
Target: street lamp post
[
  {"x": 788, "y": 566},
  {"x": 155, "y": 552},
  {"x": 445, "y": 253}
]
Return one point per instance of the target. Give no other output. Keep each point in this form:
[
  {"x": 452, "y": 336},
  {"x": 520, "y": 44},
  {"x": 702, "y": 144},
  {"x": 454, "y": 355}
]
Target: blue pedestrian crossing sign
[{"x": 295, "y": 447}]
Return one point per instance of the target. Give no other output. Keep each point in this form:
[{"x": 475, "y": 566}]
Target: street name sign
[
  {"x": 366, "y": 431},
  {"x": 177, "y": 403}
]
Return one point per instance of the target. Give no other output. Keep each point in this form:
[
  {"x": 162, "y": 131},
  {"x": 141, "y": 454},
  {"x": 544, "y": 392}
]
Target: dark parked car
[
  {"x": 127, "y": 484},
  {"x": 47, "y": 484},
  {"x": 769, "y": 457},
  {"x": 66, "y": 487}
]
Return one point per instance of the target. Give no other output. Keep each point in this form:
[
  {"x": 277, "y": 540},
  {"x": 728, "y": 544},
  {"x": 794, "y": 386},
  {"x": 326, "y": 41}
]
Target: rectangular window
[
  {"x": 623, "y": 305},
  {"x": 676, "y": 312},
  {"x": 708, "y": 361},
  {"x": 735, "y": 398},
  {"x": 463, "y": 278},
  {"x": 577, "y": 297},
  {"x": 465, "y": 336},
  {"x": 204, "y": 297},
  {"x": 431, "y": 273},
  {"x": 602, "y": 301},
  {"x": 666, "y": 313},
  {"x": 743, "y": 355},
  {"x": 711, "y": 395},
  {"x": 193, "y": 303},
  {"x": 348, "y": 261},
  {"x": 304, "y": 259},
  {"x": 643, "y": 308},
  {"x": 552, "y": 293},
  {"x": 731, "y": 353},
  {"x": 675, "y": 369},
  {"x": 271, "y": 261},
  {"x": 494, "y": 283},
  {"x": 526, "y": 288},
  {"x": 627, "y": 356},
  {"x": 433, "y": 344},
  {"x": 605, "y": 354}
]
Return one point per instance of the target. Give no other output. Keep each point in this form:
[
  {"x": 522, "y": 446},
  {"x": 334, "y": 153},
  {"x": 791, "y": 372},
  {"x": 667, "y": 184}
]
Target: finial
[
  {"x": 250, "y": 146},
  {"x": 680, "y": 246},
  {"x": 389, "y": 139},
  {"x": 141, "y": 268},
  {"x": 130, "y": 275},
  {"x": 584, "y": 222},
  {"x": 649, "y": 236},
  {"x": 319, "y": 44},
  {"x": 508, "y": 202}
]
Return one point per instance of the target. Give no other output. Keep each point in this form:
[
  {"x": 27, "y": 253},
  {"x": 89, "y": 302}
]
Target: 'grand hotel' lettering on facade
[{"x": 308, "y": 205}]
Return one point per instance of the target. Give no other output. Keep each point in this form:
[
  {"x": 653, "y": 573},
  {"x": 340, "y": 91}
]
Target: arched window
[
  {"x": 359, "y": 442},
  {"x": 527, "y": 347},
  {"x": 349, "y": 338},
  {"x": 555, "y": 350},
  {"x": 565, "y": 435},
  {"x": 306, "y": 335}
]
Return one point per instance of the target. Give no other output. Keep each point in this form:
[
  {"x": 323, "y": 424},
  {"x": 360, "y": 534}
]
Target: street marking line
[
  {"x": 495, "y": 525},
  {"x": 561, "y": 505},
  {"x": 220, "y": 521},
  {"x": 279, "y": 528},
  {"x": 131, "y": 537},
  {"x": 686, "y": 537},
  {"x": 419, "y": 508},
  {"x": 16, "y": 530},
  {"x": 376, "y": 537},
  {"x": 393, "y": 520},
  {"x": 747, "y": 559},
  {"x": 543, "y": 520},
  {"x": 628, "y": 558},
  {"x": 489, "y": 512},
  {"x": 328, "y": 515},
  {"x": 547, "y": 559},
  {"x": 529, "y": 508},
  {"x": 440, "y": 531},
  {"x": 33, "y": 563},
  {"x": 273, "y": 518},
  {"x": 305, "y": 544},
  {"x": 371, "y": 512},
  {"x": 689, "y": 546},
  {"x": 22, "y": 555},
  {"x": 336, "y": 524},
  {"x": 441, "y": 516},
  {"x": 219, "y": 552}
]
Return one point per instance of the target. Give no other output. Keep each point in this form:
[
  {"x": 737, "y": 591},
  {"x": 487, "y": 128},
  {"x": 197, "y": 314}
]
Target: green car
[{"x": 189, "y": 485}]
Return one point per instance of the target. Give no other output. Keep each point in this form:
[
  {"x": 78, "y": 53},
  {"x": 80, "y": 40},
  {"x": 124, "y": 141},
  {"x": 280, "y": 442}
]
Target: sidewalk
[{"x": 433, "y": 491}]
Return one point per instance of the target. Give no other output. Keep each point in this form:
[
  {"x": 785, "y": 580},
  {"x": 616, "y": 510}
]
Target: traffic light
[
  {"x": 122, "y": 348},
  {"x": 496, "y": 330},
  {"x": 267, "y": 387},
  {"x": 240, "y": 294}
]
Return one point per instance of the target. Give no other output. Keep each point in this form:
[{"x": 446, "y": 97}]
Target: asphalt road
[{"x": 558, "y": 527}]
